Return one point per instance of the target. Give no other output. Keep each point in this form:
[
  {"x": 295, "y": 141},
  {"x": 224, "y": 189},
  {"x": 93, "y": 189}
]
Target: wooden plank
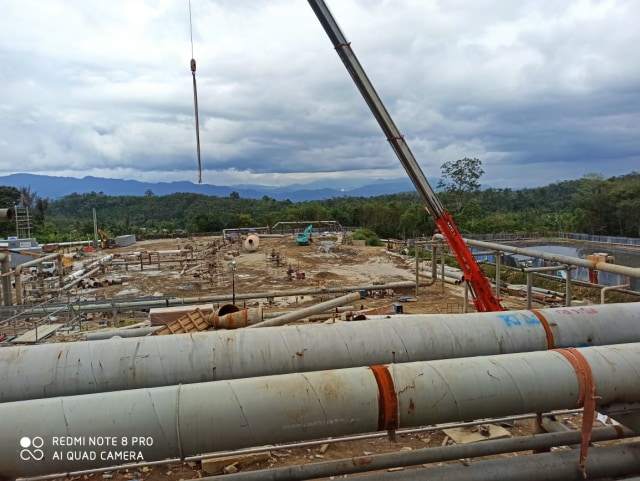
[
  {"x": 191, "y": 322},
  {"x": 217, "y": 465}
]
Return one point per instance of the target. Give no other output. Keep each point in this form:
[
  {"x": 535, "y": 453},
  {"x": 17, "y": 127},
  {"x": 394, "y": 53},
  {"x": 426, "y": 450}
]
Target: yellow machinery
[{"x": 106, "y": 242}]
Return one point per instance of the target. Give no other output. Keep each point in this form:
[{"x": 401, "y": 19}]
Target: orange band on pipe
[
  {"x": 387, "y": 399},
  {"x": 586, "y": 397},
  {"x": 547, "y": 328}
]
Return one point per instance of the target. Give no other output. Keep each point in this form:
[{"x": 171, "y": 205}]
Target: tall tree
[
  {"x": 594, "y": 207},
  {"x": 27, "y": 198},
  {"x": 461, "y": 178}
]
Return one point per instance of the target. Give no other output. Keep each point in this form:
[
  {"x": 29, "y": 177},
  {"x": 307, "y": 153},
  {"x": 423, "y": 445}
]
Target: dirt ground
[
  {"x": 203, "y": 269},
  {"x": 199, "y": 267}
]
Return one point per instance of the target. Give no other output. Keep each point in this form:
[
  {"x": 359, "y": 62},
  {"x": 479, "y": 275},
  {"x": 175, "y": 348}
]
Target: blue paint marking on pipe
[
  {"x": 580, "y": 344},
  {"x": 518, "y": 318}
]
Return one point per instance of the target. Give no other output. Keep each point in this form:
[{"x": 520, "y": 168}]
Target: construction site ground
[
  {"x": 323, "y": 263},
  {"x": 202, "y": 268}
]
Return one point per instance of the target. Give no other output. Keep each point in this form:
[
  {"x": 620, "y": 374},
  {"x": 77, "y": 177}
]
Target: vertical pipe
[
  {"x": 442, "y": 266},
  {"x": 17, "y": 275},
  {"x": 434, "y": 265},
  {"x": 498, "y": 258},
  {"x": 415, "y": 246},
  {"x": 95, "y": 229},
  {"x": 529, "y": 288},
  {"x": 568, "y": 289},
  {"x": 466, "y": 297},
  {"x": 6, "y": 279}
]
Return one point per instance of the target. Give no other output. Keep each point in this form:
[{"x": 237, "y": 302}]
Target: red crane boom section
[{"x": 481, "y": 293}]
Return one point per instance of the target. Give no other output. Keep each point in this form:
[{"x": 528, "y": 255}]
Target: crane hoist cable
[{"x": 195, "y": 98}]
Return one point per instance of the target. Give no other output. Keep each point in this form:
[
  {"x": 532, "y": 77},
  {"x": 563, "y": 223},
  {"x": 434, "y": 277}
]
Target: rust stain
[
  {"x": 387, "y": 399},
  {"x": 331, "y": 388},
  {"x": 412, "y": 406},
  {"x": 547, "y": 328},
  {"x": 586, "y": 397},
  {"x": 361, "y": 461}
]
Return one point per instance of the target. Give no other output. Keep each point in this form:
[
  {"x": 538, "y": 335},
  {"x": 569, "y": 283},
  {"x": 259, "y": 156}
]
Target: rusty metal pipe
[
  {"x": 63, "y": 369},
  {"x": 235, "y": 320},
  {"x": 181, "y": 420}
]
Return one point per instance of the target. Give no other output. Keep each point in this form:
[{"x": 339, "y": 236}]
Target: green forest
[{"x": 592, "y": 205}]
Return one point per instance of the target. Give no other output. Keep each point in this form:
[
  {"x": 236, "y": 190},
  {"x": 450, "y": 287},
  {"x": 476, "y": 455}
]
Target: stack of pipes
[{"x": 382, "y": 375}]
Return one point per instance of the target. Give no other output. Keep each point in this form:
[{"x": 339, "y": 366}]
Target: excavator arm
[{"x": 482, "y": 296}]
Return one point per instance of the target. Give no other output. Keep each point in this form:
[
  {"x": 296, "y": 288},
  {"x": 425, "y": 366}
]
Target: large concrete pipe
[
  {"x": 6, "y": 215},
  {"x": 184, "y": 420},
  {"x": 46, "y": 370}
]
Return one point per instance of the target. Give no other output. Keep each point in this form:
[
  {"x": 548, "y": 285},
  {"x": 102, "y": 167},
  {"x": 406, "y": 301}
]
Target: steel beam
[
  {"x": 178, "y": 421},
  {"x": 63, "y": 369}
]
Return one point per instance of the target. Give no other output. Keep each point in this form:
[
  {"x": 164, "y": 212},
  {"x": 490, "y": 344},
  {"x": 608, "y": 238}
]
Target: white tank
[{"x": 252, "y": 242}]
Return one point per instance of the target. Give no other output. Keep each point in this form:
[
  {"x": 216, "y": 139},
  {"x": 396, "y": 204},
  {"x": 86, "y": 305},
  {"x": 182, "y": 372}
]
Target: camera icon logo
[{"x": 31, "y": 448}]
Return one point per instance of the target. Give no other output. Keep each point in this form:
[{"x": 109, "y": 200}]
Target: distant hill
[{"x": 50, "y": 187}]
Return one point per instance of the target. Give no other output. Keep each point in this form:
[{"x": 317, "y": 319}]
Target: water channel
[{"x": 629, "y": 257}]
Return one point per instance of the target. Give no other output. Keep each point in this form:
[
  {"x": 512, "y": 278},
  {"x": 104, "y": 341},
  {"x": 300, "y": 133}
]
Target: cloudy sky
[{"x": 538, "y": 90}]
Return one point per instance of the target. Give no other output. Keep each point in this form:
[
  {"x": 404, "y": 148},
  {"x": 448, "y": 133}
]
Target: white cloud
[{"x": 538, "y": 90}]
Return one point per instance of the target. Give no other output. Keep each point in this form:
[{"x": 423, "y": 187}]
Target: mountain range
[{"x": 51, "y": 187}]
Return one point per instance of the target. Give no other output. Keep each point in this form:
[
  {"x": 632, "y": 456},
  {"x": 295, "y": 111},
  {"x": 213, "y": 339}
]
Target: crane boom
[{"x": 481, "y": 293}]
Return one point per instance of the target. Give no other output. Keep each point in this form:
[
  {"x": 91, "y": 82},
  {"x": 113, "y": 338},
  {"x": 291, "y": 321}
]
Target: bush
[{"x": 370, "y": 237}]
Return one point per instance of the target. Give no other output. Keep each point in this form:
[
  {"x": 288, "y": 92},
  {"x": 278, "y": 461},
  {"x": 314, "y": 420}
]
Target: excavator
[
  {"x": 106, "y": 242},
  {"x": 304, "y": 238},
  {"x": 479, "y": 287}
]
